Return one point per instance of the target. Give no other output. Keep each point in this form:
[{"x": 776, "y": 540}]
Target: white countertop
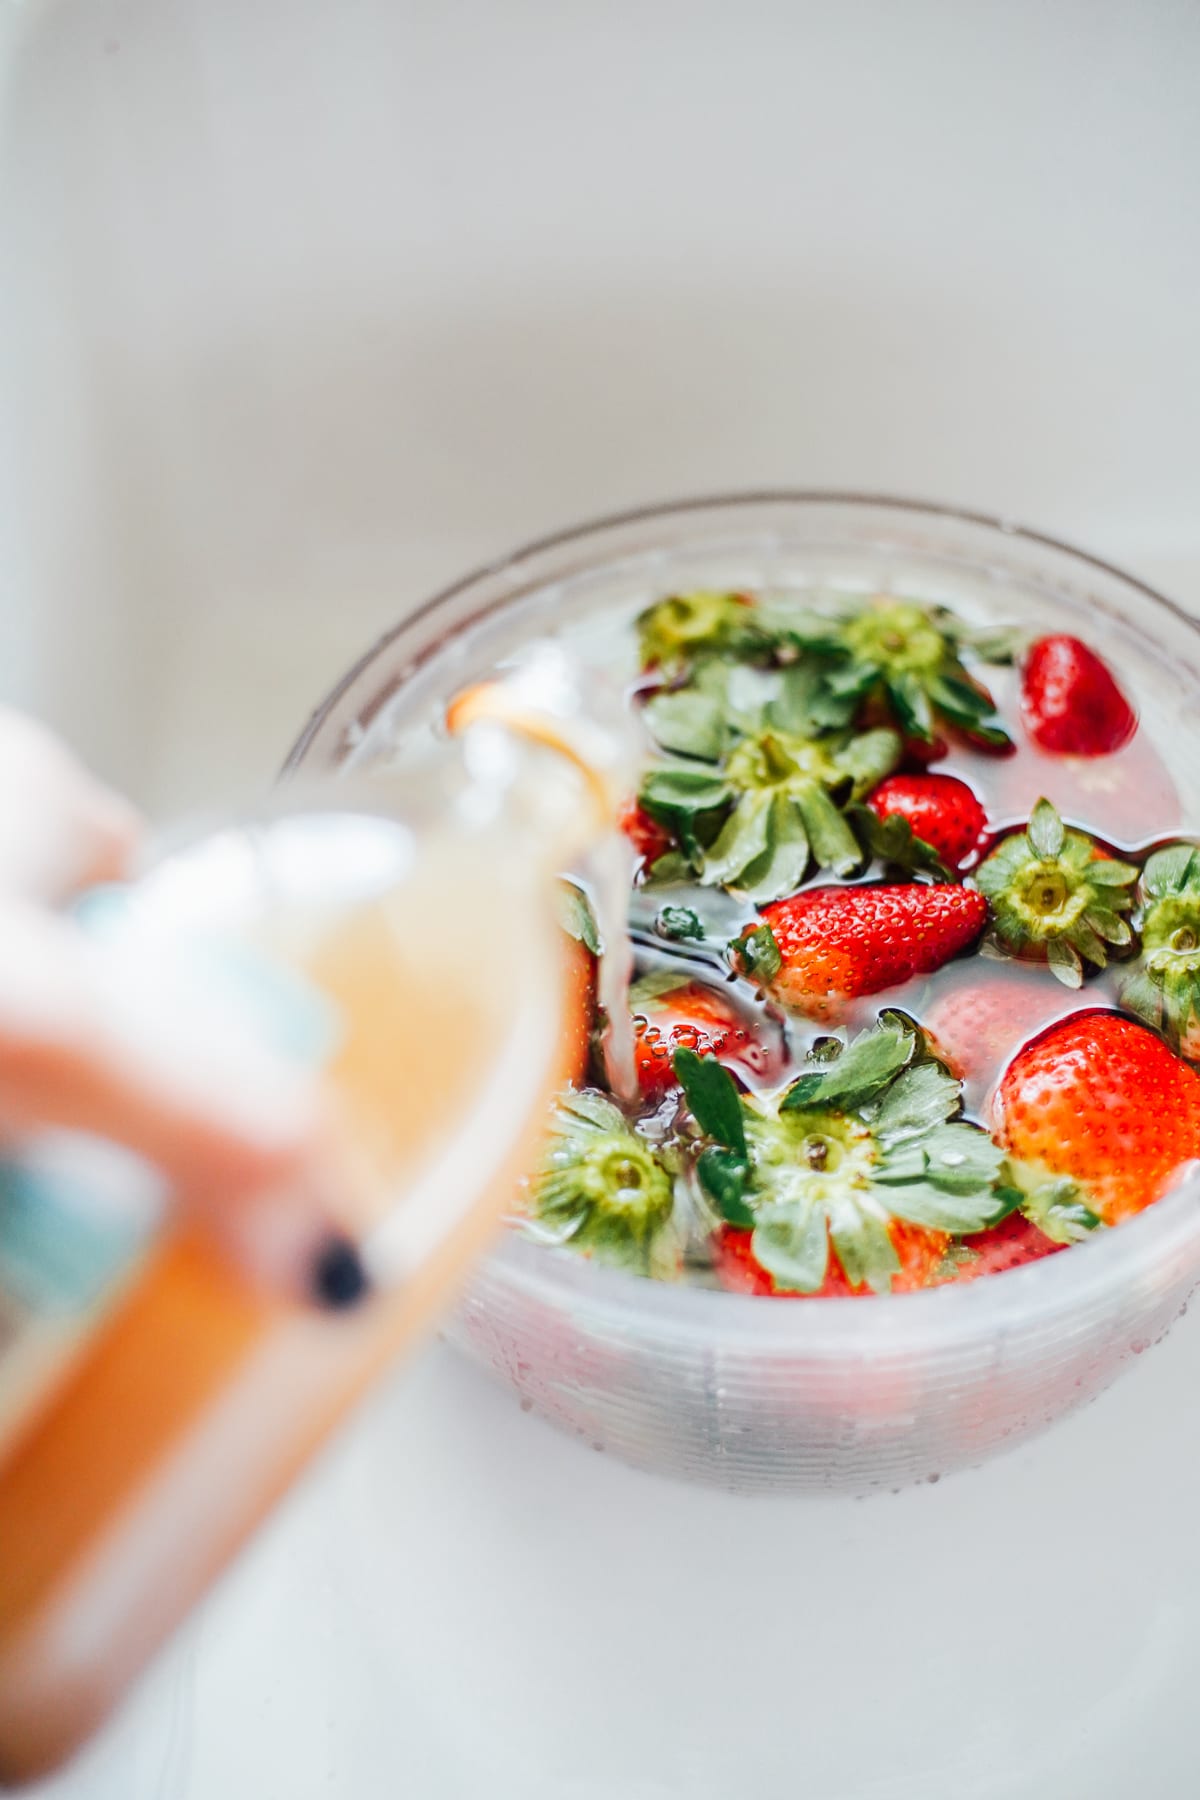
[
  {"x": 306, "y": 310},
  {"x": 464, "y": 1603}
]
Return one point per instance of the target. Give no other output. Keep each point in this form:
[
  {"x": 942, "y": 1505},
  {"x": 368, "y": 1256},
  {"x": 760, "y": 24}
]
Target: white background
[{"x": 305, "y": 307}]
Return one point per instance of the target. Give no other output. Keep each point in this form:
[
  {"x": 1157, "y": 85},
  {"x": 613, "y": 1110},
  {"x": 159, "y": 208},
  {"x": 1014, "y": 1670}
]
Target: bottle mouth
[{"x": 545, "y": 698}]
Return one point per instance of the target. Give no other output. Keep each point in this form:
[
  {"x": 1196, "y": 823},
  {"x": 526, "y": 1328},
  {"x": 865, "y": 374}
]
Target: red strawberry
[
  {"x": 1102, "y": 1101},
  {"x": 1071, "y": 704},
  {"x": 982, "y": 1021},
  {"x": 650, "y": 839},
  {"x": 674, "y": 1013},
  {"x": 839, "y": 942},
  {"x": 740, "y": 1272},
  {"x": 579, "y": 1003},
  {"x": 942, "y": 811},
  {"x": 1011, "y": 1244}
]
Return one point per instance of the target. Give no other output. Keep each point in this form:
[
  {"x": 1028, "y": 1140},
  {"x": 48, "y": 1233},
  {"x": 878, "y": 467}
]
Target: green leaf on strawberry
[
  {"x": 601, "y": 1189},
  {"x": 857, "y": 1072},
  {"x": 892, "y": 841},
  {"x": 909, "y": 656},
  {"x": 1164, "y": 987},
  {"x": 679, "y": 924},
  {"x": 1055, "y": 896},
  {"x": 804, "y": 703},
  {"x": 758, "y": 957},
  {"x": 863, "y": 1139},
  {"x": 1059, "y": 1209},
  {"x": 689, "y": 723},
  {"x": 723, "y": 1176},
  {"x": 712, "y": 1097},
  {"x": 674, "y": 633},
  {"x": 773, "y": 804},
  {"x": 689, "y": 800}
]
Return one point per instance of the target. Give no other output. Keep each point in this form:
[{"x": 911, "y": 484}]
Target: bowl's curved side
[{"x": 828, "y": 1395}]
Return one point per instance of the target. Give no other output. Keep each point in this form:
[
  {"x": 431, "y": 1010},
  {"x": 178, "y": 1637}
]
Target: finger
[{"x": 243, "y": 1137}]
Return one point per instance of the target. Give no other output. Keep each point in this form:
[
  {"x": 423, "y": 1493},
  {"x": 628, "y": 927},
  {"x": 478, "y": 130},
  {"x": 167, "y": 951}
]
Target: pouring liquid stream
[{"x": 611, "y": 864}]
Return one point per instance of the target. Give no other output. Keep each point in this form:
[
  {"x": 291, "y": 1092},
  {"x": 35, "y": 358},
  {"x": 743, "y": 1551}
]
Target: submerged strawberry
[
  {"x": 829, "y": 943},
  {"x": 603, "y": 1190},
  {"x": 979, "y": 1025},
  {"x": 940, "y": 810},
  {"x": 1164, "y": 987},
  {"x": 860, "y": 1165},
  {"x": 582, "y": 948},
  {"x": 1011, "y": 1244},
  {"x": 579, "y": 985},
  {"x": 920, "y": 1253},
  {"x": 1102, "y": 1102},
  {"x": 1071, "y": 704},
  {"x": 674, "y": 1012},
  {"x": 1056, "y": 897}
]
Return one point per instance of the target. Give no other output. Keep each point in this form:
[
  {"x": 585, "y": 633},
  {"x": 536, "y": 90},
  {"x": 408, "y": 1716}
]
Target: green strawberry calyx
[
  {"x": 756, "y": 955},
  {"x": 910, "y": 656},
  {"x": 674, "y": 633},
  {"x": 869, "y": 1134},
  {"x": 1055, "y": 895},
  {"x": 1164, "y": 987},
  {"x": 761, "y": 796},
  {"x": 602, "y": 1189},
  {"x": 893, "y": 842},
  {"x": 1058, "y": 1206}
]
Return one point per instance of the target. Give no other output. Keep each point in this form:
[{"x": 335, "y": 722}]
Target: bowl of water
[{"x": 832, "y": 1394}]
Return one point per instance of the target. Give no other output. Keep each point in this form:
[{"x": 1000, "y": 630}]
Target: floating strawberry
[
  {"x": 829, "y": 944},
  {"x": 865, "y": 1141},
  {"x": 673, "y": 1012},
  {"x": 579, "y": 980},
  {"x": 921, "y": 1254},
  {"x": 761, "y": 796},
  {"x": 1102, "y": 1102},
  {"x": 579, "y": 983},
  {"x": 604, "y": 1190},
  {"x": 979, "y": 1024},
  {"x": 1056, "y": 897},
  {"x": 940, "y": 811},
  {"x": 1071, "y": 704},
  {"x": 910, "y": 656},
  {"x": 1011, "y": 1244},
  {"x": 1164, "y": 988}
]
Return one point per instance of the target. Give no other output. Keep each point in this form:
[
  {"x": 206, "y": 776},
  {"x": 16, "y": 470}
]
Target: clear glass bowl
[{"x": 848, "y": 1395}]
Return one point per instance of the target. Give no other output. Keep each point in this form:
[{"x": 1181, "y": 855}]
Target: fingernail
[{"x": 339, "y": 1280}]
